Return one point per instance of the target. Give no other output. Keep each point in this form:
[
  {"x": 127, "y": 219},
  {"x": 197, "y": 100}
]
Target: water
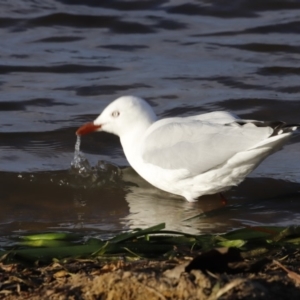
[
  {"x": 80, "y": 164},
  {"x": 62, "y": 62}
]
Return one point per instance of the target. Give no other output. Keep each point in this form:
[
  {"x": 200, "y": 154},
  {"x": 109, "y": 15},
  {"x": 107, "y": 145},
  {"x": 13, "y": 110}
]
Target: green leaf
[
  {"x": 47, "y": 254},
  {"x": 127, "y": 236},
  {"x": 289, "y": 231},
  {"x": 102, "y": 250},
  {"x": 295, "y": 241},
  {"x": 233, "y": 243},
  {"x": 46, "y": 243},
  {"x": 131, "y": 252},
  {"x": 51, "y": 236},
  {"x": 252, "y": 233}
]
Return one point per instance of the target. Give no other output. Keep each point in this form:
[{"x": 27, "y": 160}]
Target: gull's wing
[
  {"x": 216, "y": 117},
  {"x": 198, "y": 146}
]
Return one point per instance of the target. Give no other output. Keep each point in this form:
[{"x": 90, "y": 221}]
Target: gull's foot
[{"x": 223, "y": 199}]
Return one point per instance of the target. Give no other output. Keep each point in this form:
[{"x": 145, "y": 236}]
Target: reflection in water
[
  {"x": 149, "y": 206},
  {"x": 256, "y": 201},
  {"x": 107, "y": 200}
]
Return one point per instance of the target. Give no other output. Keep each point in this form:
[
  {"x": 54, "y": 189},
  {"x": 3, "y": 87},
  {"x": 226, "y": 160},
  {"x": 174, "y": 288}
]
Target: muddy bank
[{"x": 271, "y": 276}]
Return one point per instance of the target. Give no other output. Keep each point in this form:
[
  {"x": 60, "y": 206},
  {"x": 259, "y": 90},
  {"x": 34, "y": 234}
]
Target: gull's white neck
[{"x": 132, "y": 140}]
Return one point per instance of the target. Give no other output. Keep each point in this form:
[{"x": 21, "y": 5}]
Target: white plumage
[{"x": 189, "y": 156}]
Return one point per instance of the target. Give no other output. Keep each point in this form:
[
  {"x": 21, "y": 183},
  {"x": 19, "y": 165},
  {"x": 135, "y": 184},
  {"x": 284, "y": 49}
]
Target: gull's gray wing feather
[
  {"x": 216, "y": 117},
  {"x": 198, "y": 146}
]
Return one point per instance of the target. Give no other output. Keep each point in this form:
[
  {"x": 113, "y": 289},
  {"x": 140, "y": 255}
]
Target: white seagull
[{"x": 189, "y": 156}]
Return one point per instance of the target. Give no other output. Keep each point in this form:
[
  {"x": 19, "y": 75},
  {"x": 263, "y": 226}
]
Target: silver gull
[{"x": 189, "y": 156}]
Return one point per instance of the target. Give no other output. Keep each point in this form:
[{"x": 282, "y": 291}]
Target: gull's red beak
[{"x": 87, "y": 128}]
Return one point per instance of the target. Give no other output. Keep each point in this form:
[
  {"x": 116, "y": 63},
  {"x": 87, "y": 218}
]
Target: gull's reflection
[
  {"x": 255, "y": 202},
  {"x": 150, "y": 206}
]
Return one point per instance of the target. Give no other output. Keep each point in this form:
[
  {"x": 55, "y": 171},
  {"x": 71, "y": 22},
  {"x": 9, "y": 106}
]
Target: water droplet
[{"x": 80, "y": 164}]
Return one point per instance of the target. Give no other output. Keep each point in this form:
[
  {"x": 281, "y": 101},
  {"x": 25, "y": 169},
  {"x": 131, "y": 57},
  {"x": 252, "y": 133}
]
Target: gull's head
[{"x": 125, "y": 114}]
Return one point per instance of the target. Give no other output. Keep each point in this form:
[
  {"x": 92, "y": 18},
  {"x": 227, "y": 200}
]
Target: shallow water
[{"x": 63, "y": 61}]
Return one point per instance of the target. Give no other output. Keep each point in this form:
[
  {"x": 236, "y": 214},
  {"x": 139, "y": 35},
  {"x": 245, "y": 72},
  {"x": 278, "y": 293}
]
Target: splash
[
  {"x": 99, "y": 174},
  {"x": 80, "y": 164}
]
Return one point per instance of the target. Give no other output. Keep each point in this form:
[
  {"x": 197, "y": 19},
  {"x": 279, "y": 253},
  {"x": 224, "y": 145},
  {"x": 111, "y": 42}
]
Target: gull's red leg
[{"x": 223, "y": 199}]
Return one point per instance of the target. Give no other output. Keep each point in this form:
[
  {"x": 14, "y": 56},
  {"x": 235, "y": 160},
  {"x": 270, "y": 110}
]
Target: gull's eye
[{"x": 115, "y": 113}]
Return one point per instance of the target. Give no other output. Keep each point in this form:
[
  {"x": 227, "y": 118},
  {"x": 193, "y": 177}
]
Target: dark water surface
[{"x": 62, "y": 62}]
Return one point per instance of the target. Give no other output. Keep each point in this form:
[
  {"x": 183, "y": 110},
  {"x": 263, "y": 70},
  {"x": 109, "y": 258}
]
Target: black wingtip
[{"x": 278, "y": 127}]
